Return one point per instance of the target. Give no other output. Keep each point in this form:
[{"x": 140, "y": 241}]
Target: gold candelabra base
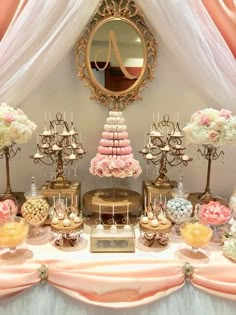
[
  {"x": 59, "y": 183},
  {"x": 162, "y": 182}
]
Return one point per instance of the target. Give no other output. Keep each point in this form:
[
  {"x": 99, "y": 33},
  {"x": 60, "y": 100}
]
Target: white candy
[
  {"x": 99, "y": 227},
  {"x": 66, "y": 222},
  {"x": 113, "y": 228},
  {"x": 127, "y": 227},
  {"x": 72, "y": 215},
  {"x": 154, "y": 223},
  {"x": 144, "y": 220},
  {"x": 55, "y": 220},
  {"x": 150, "y": 215},
  {"x": 164, "y": 221},
  {"x": 60, "y": 216},
  {"x": 77, "y": 219}
]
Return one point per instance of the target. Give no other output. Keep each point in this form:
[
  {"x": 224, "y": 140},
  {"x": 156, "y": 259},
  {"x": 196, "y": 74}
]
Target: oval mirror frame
[{"x": 128, "y": 12}]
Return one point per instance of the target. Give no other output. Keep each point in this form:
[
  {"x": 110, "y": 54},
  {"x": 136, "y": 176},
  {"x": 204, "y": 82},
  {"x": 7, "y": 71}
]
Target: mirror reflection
[{"x": 116, "y": 55}]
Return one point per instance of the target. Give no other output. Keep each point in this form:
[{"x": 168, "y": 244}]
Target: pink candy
[
  {"x": 7, "y": 208},
  {"x": 215, "y": 213}
]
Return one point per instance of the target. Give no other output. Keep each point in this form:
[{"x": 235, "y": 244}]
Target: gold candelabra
[
  {"x": 164, "y": 147},
  {"x": 58, "y": 144},
  {"x": 210, "y": 153},
  {"x": 7, "y": 153}
]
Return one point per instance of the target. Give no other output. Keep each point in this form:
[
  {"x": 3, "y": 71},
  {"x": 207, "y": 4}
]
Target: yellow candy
[
  {"x": 196, "y": 234},
  {"x": 13, "y": 234}
]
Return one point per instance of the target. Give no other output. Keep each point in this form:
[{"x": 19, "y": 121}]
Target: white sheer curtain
[
  {"x": 192, "y": 41},
  {"x": 44, "y": 32},
  {"x": 47, "y": 29}
]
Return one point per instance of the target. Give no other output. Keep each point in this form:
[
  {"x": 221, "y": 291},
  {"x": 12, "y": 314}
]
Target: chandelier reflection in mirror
[
  {"x": 164, "y": 147},
  {"x": 59, "y": 144}
]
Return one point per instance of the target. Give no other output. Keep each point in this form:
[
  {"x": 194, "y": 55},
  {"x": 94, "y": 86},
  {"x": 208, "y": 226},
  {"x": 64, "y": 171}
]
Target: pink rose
[
  {"x": 99, "y": 172},
  {"x": 104, "y": 164},
  {"x": 128, "y": 163},
  {"x": 4, "y": 214},
  {"x": 7, "y": 208},
  {"x": 9, "y": 118},
  {"x": 116, "y": 172},
  {"x": 195, "y": 115},
  {"x": 225, "y": 113},
  {"x": 20, "y": 111},
  {"x": 212, "y": 135},
  {"x": 204, "y": 120}
]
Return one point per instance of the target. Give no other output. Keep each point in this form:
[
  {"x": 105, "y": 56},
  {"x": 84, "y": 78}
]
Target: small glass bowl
[
  {"x": 195, "y": 233},
  {"x": 217, "y": 216},
  {"x": 13, "y": 232}
]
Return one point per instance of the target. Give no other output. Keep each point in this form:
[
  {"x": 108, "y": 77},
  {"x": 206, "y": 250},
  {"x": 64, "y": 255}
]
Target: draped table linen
[{"x": 118, "y": 280}]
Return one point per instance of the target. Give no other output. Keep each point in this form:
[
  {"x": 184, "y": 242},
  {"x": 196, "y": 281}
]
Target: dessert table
[{"x": 156, "y": 280}]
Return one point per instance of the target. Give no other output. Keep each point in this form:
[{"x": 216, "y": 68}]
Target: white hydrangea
[
  {"x": 233, "y": 229},
  {"x": 210, "y": 126},
  {"x": 229, "y": 248},
  {"x": 15, "y": 127}
]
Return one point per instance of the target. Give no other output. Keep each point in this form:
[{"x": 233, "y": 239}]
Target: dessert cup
[
  {"x": 196, "y": 234},
  {"x": 13, "y": 232}
]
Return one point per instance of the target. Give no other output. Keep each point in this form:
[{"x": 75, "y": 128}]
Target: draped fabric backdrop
[
  {"x": 191, "y": 39},
  {"x": 223, "y": 14},
  {"x": 46, "y": 30},
  {"x": 38, "y": 73},
  {"x": 43, "y": 33}
]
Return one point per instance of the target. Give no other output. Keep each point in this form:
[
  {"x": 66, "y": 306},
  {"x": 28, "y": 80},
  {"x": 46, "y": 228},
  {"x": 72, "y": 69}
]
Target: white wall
[{"x": 168, "y": 93}]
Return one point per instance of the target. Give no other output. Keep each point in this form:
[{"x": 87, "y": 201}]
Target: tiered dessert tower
[{"x": 114, "y": 157}]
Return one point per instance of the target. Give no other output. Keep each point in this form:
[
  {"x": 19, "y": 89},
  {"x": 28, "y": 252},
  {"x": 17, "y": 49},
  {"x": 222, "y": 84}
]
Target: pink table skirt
[{"x": 117, "y": 280}]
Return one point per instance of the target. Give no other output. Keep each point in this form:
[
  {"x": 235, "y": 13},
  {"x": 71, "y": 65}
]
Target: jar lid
[
  {"x": 33, "y": 193},
  {"x": 180, "y": 192}
]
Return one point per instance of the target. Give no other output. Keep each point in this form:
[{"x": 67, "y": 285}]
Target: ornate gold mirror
[{"x": 117, "y": 54}]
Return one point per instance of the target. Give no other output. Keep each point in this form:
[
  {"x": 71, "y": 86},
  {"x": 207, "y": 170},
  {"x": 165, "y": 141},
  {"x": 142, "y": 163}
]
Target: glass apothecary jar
[{"x": 35, "y": 212}]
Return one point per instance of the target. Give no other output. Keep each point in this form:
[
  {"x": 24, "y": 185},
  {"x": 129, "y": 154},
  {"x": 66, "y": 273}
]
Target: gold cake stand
[
  {"x": 147, "y": 227},
  {"x": 106, "y": 198}
]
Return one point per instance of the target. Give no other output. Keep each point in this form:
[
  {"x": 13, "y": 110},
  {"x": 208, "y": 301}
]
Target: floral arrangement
[
  {"x": 15, "y": 127},
  {"x": 107, "y": 166},
  {"x": 229, "y": 248},
  {"x": 210, "y": 126}
]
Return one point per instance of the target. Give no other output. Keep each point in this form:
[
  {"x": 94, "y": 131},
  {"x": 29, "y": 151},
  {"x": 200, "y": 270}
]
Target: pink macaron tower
[{"x": 114, "y": 157}]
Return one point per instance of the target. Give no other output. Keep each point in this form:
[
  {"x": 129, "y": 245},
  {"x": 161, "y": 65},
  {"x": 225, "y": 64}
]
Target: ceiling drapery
[
  {"x": 9, "y": 11},
  {"x": 184, "y": 30},
  {"x": 38, "y": 40},
  {"x": 223, "y": 13},
  {"x": 190, "y": 38}
]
